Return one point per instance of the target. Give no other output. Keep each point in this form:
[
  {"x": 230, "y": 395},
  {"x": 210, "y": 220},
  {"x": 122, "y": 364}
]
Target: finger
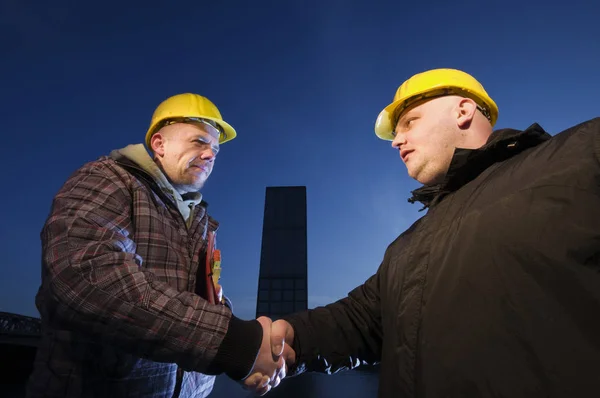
[
  {"x": 260, "y": 381},
  {"x": 254, "y": 381},
  {"x": 264, "y": 382},
  {"x": 289, "y": 354},
  {"x": 276, "y": 382},
  {"x": 250, "y": 381},
  {"x": 282, "y": 372},
  {"x": 281, "y": 368}
]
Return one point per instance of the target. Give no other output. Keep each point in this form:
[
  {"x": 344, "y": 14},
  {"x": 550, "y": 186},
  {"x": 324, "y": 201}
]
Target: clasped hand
[{"x": 274, "y": 356}]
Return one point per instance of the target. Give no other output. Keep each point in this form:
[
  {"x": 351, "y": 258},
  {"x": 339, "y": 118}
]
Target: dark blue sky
[{"x": 301, "y": 81}]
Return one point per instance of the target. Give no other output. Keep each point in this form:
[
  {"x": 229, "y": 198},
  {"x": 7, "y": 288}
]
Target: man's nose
[
  {"x": 399, "y": 140},
  {"x": 208, "y": 154}
]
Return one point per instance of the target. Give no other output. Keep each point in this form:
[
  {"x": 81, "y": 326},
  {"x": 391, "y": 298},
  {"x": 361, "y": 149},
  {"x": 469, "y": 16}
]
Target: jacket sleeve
[
  {"x": 341, "y": 335},
  {"x": 93, "y": 282}
]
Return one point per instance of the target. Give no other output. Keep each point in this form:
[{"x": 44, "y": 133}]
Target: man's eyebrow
[
  {"x": 204, "y": 135},
  {"x": 404, "y": 116}
]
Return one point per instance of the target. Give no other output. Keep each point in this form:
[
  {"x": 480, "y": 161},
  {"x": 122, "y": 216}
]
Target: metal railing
[{"x": 14, "y": 324}]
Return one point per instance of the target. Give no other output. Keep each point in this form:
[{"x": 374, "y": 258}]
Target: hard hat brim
[{"x": 383, "y": 124}]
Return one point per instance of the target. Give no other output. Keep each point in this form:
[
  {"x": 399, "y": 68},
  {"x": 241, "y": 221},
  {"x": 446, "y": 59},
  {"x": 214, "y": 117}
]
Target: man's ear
[
  {"x": 465, "y": 112},
  {"x": 157, "y": 143}
]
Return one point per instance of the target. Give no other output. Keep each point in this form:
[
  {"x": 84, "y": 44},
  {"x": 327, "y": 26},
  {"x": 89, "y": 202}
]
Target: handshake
[{"x": 274, "y": 356}]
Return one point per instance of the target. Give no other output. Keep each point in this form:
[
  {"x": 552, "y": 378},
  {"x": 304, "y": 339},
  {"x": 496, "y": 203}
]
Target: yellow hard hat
[
  {"x": 430, "y": 84},
  {"x": 189, "y": 106}
]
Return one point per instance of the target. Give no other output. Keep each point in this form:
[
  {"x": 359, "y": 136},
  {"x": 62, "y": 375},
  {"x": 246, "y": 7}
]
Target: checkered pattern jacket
[{"x": 121, "y": 296}]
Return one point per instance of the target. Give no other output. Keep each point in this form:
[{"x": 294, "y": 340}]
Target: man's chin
[
  {"x": 192, "y": 187},
  {"x": 197, "y": 186}
]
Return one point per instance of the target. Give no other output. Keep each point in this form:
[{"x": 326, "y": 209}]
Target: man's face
[
  {"x": 426, "y": 136},
  {"x": 186, "y": 153}
]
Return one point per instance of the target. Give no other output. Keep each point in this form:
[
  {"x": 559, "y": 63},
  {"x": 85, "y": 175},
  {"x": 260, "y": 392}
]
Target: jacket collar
[
  {"x": 136, "y": 170},
  {"x": 137, "y": 154},
  {"x": 467, "y": 164}
]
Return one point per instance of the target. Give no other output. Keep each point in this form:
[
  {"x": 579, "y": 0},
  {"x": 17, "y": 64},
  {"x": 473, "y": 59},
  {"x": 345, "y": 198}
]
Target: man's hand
[
  {"x": 281, "y": 340},
  {"x": 269, "y": 366}
]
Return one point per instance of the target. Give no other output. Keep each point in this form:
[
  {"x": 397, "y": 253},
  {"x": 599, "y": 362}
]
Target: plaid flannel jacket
[{"x": 118, "y": 297}]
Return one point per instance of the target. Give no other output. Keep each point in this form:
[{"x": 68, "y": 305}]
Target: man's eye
[{"x": 205, "y": 142}]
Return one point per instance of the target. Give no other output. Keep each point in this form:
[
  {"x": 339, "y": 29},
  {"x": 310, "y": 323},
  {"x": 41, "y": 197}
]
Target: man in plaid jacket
[{"x": 127, "y": 301}]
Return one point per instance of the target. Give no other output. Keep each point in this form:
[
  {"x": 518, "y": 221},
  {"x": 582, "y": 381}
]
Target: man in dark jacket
[
  {"x": 495, "y": 292},
  {"x": 128, "y": 302}
]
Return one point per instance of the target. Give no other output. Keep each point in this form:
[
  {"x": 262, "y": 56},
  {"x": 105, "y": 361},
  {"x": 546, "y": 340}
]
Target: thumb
[
  {"x": 278, "y": 330},
  {"x": 277, "y": 346}
]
